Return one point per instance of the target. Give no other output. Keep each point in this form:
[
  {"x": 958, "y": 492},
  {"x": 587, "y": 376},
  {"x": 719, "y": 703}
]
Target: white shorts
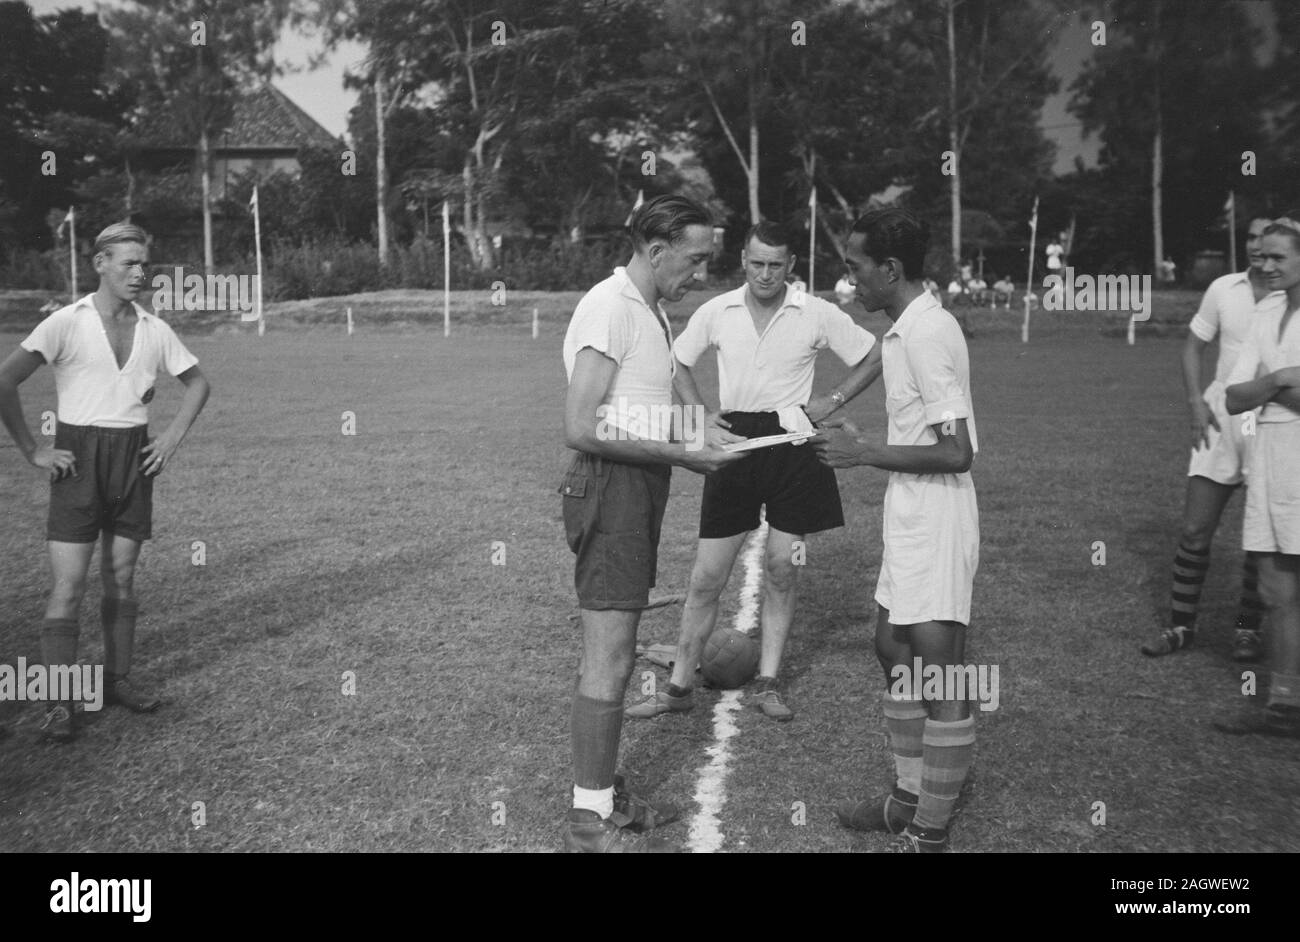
[
  {"x": 1272, "y": 518},
  {"x": 1223, "y": 460},
  {"x": 932, "y": 548}
]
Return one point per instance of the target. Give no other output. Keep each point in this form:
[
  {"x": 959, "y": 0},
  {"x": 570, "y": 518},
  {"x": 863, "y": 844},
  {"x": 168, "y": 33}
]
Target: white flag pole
[
  {"x": 1029, "y": 282},
  {"x": 72, "y": 247},
  {"x": 812, "y": 240},
  {"x": 534, "y": 323},
  {"x": 349, "y": 322},
  {"x": 446, "y": 269},
  {"x": 257, "y": 243},
  {"x": 1232, "y": 231}
]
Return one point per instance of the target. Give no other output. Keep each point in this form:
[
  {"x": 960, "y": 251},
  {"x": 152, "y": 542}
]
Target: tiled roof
[{"x": 264, "y": 119}]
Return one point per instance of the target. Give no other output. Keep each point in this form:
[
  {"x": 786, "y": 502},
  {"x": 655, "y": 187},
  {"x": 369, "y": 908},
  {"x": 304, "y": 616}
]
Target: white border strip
[{"x": 710, "y": 788}]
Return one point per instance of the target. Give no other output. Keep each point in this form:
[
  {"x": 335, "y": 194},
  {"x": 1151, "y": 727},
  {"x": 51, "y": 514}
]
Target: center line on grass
[{"x": 710, "y": 789}]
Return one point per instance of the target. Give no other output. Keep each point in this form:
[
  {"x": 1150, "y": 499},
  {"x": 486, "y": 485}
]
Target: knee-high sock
[
  {"x": 1251, "y": 612},
  {"x": 1190, "y": 567},
  {"x": 948, "y": 752},
  {"x": 905, "y": 720},
  {"x": 59, "y": 641},
  {"x": 595, "y": 729},
  {"x": 119, "y": 635}
]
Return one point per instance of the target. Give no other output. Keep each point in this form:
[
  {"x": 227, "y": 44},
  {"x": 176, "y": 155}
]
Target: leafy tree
[
  {"x": 186, "y": 61},
  {"x": 1175, "y": 95}
]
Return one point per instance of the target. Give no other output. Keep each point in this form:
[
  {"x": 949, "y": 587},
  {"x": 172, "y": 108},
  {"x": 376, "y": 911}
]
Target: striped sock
[
  {"x": 1251, "y": 612},
  {"x": 949, "y": 751},
  {"x": 1284, "y": 690},
  {"x": 1190, "y": 567},
  {"x": 905, "y": 720}
]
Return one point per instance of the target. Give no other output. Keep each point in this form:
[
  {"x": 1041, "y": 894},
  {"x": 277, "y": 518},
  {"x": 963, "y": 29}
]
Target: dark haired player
[
  {"x": 618, "y": 356},
  {"x": 931, "y": 526},
  {"x": 106, "y": 351},
  {"x": 767, "y": 335}
]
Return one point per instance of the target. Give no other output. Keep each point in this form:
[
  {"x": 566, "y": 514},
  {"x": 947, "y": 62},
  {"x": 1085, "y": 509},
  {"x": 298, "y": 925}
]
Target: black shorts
[
  {"x": 612, "y": 516},
  {"x": 108, "y": 493},
  {"x": 800, "y": 492}
]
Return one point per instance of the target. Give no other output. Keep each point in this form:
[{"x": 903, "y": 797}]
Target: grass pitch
[{"x": 370, "y": 556}]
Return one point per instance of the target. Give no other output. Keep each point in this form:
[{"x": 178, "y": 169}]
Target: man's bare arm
[
  {"x": 860, "y": 377},
  {"x": 593, "y": 374},
  {"x": 14, "y": 371},
  {"x": 159, "y": 451},
  {"x": 841, "y": 445},
  {"x": 1193, "y": 356}
]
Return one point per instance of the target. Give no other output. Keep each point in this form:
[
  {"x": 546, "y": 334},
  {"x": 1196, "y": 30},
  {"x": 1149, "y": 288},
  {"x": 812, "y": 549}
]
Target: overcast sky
[{"x": 321, "y": 93}]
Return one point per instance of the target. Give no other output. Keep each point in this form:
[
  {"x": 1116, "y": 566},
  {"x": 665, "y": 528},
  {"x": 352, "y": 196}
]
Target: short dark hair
[
  {"x": 895, "y": 233},
  {"x": 770, "y": 233},
  {"x": 666, "y": 217}
]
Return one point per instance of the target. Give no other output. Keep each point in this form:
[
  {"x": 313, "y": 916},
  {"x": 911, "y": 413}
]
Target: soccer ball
[{"x": 730, "y": 658}]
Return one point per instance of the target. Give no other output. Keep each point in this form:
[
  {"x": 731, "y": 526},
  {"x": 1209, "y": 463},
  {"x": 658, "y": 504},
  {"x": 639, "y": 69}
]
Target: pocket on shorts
[
  {"x": 574, "y": 489},
  {"x": 575, "y": 484}
]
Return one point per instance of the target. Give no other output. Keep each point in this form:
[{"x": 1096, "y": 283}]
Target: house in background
[{"x": 265, "y": 135}]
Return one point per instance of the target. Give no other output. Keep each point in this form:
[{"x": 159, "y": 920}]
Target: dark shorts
[
  {"x": 109, "y": 492},
  {"x": 800, "y": 492},
  {"x": 612, "y": 516}
]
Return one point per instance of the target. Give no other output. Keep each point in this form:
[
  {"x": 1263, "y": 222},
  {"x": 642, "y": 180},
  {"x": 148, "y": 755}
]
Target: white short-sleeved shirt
[
  {"x": 1054, "y": 252},
  {"x": 1263, "y": 353},
  {"x": 1228, "y": 311},
  {"x": 614, "y": 319},
  {"x": 926, "y": 373},
  {"x": 92, "y": 390},
  {"x": 773, "y": 371},
  {"x": 930, "y": 521}
]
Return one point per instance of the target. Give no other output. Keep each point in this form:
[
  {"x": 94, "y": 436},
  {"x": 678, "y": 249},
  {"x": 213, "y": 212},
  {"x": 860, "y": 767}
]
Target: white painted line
[{"x": 710, "y": 789}]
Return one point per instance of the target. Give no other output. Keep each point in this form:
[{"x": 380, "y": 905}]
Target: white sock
[{"x": 599, "y": 800}]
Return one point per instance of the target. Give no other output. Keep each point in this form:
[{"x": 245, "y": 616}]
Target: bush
[
  {"x": 337, "y": 267},
  {"x": 324, "y": 269},
  {"x": 30, "y": 270}
]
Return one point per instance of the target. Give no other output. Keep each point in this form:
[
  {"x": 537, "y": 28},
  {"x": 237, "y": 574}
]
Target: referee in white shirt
[
  {"x": 767, "y": 335},
  {"x": 106, "y": 351}
]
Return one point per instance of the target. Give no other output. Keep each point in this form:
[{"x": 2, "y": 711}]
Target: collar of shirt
[
  {"x": 924, "y": 302},
  {"x": 89, "y": 301},
  {"x": 736, "y": 298},
  {"x": 630, "y": 291}
]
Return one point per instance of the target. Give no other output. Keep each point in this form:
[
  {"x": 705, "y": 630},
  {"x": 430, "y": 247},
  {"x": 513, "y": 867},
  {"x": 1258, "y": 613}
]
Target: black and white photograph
[{"x": 651, "y": 426}]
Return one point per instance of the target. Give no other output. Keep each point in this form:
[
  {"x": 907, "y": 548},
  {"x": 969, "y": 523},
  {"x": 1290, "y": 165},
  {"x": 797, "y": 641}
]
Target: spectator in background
[{"x": 1003, "y": 289}]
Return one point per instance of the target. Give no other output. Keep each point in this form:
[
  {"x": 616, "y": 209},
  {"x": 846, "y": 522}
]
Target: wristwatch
[{"x": 837, "y": 397}]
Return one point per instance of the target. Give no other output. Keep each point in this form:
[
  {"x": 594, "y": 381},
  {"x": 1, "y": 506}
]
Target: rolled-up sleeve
[{"x": 933, "y": 367}]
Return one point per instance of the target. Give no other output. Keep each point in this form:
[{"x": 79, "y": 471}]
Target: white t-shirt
[
  {"x": 1262, "y": 352},
  {"x": 91, "y": 389},
  {"x": 926, "y": 373},
  {"x": 612, "y": 318},
  {"x": 1227, "y": 310},
  {"x": 774, "y": 371}
]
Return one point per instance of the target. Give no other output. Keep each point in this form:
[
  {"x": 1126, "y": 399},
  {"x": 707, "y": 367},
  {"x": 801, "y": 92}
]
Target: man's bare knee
[
  {"x": 705, "y": 587},
  {"x": 781, "y": 574}
]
